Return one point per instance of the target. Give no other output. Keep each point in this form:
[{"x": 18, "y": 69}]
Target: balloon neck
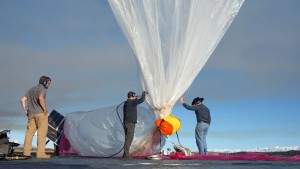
[{"x": 164, "y": 111}]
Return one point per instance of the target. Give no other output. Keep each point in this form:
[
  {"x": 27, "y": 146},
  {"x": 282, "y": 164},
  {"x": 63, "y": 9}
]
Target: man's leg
[
  {"x": 201, "y": 130},
  {"x": 31, "y": 129},
  {"x": 129, "y": 134},
  {"x": 205, "y": 131},
  {"x": 198, "y": 134},
  {"x": 42, "y": 124},
  {"x": 126, "y": 148}
]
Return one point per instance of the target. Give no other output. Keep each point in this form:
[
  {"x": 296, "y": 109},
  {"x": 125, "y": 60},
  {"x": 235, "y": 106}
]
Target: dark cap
[
  {"x": 131, "y": 94},
  {"x": 197, "y": 100}
]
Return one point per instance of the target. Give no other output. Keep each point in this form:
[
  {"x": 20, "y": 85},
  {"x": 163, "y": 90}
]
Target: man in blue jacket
[{"x": 203, "y": 122}]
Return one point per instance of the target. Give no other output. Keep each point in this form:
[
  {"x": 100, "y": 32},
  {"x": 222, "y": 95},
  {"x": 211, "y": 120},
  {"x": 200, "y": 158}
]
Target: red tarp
[
  {"x": 245, "y": 156},
  {"x": 66, "y": 150}
]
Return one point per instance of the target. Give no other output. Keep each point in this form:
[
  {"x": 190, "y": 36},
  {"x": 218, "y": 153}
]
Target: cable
[
  {"x": 118, "y": 112},
  {"x": 122, "y": 125},
  {"x": 168, "y": 137},
  {"x": 178, "y": 138}
]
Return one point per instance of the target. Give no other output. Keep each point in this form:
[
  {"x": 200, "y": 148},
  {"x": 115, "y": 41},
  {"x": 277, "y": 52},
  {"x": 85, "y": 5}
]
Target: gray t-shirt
[{"x": 33, "y": 103}]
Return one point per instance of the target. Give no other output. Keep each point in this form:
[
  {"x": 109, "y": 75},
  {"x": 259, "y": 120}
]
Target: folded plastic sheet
[
  {"x": 251, "y": 156},
  {"x": 100, "y": 133}
]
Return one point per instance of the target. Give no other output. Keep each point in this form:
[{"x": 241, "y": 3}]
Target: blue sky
[{"x": 250, "y": 83}]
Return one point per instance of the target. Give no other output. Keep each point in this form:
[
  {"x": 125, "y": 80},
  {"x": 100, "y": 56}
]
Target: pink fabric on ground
[
  {"x": 245, "y": 156},
  {"x": 65, "y": 148}
]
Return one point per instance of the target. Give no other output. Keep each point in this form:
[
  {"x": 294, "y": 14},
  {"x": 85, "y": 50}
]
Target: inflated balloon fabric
[
  {"x": 172, "y": 40},
  {"x": 100, "y": 133}
]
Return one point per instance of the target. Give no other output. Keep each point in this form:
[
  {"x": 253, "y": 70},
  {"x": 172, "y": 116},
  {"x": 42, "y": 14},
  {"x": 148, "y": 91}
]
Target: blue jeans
[{"x": 200, "y": 135}]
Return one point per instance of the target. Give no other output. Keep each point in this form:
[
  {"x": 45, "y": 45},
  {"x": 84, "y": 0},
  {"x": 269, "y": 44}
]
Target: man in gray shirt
[
  {"x": 203, "y": 122},
  {"x": 34, "y": 106}
]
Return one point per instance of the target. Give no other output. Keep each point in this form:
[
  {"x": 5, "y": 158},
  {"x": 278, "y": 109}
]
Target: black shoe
[
  {"x": 126, "y": 158},
  {"x": 28, "y": 157}
]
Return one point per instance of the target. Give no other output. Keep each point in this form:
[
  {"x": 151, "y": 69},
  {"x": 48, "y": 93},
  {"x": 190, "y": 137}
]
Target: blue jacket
[{"x": 202, "y": 112}]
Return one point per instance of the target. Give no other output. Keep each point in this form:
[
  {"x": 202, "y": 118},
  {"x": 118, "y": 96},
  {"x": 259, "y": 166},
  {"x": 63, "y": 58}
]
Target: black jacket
[{"x": 130, "y": 109}]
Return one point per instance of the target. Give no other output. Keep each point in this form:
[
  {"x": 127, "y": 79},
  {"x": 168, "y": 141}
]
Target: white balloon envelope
[{"x": 172, "y": 40}]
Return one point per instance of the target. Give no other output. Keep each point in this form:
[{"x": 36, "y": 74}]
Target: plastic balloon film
[
  {"x": 172, "y": 40},
  {"x": 100, "y": 133}
]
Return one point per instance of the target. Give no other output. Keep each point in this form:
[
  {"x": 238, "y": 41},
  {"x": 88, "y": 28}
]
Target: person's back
[
  {"x": 203, "y": 114},
  {"x": 130, "y": 109},
  {"x": 34, "y": 106}
]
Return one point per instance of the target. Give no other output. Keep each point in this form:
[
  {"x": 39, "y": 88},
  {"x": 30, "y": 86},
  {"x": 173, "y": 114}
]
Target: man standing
[
  {"x": 34, "y": 106},
  {"x": 130, "y": 118},
  {"x": 203, "y": 122}
]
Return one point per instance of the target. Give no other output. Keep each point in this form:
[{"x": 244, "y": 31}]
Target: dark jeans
[{"x": 129, "y": 133}]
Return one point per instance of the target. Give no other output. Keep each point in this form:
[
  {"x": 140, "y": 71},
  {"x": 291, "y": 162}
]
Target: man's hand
[
  {"x": 43, "y": 103},
  {"x": 181, "y": 100},
  {"x": 26, "y": 112},
  {"x": 23, "y": 104},
  {"x": 45, "y": 112}
]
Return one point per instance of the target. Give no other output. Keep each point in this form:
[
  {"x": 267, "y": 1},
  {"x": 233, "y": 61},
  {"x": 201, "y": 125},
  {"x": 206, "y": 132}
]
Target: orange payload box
[{"x": 168, "y": 125}]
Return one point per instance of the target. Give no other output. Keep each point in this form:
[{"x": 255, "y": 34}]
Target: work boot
[
  {"x": 43, "y": 156},
  {"x": 27, "y": 156}
]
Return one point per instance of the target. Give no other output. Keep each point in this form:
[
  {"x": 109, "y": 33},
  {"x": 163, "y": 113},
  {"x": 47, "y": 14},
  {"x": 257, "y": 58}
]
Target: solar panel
[{"x": 55, "y": 127}]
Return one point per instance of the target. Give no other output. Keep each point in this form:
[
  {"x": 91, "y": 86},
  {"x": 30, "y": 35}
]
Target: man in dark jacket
[
  {"x": 203, "y": 122},
  {"x": 130, "y": 118}
]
